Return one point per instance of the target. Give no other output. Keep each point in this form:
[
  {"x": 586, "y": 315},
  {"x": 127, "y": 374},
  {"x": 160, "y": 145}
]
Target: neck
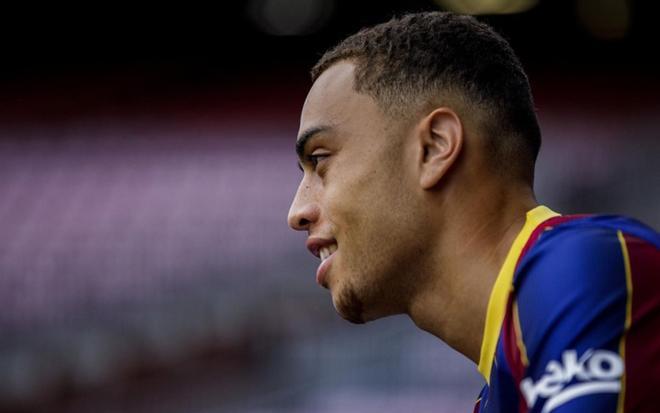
[{"x": 469, "y": 251}]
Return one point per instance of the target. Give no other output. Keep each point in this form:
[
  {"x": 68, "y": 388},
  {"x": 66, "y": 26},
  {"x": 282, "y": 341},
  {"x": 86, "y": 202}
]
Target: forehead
[{"x": 333, "y": 101}]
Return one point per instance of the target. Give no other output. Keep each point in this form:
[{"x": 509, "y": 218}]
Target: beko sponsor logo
[{"x": 596, "y": 371}]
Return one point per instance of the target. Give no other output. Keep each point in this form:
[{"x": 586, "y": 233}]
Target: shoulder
[
  {"x": 573, "y": 293},
  {"x": 572, "y": 253},
  {"x": 572, "y": 283},
  {"x": 584, "y": 252}
]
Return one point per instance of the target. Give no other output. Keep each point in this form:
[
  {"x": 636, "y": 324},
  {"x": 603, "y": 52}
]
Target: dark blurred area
[
  {"x": 138, "y": 55},
  {"x": 146, "y": 170}
]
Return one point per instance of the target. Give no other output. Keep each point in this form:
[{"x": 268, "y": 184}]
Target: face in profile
[{"x": 357, "y": 198}]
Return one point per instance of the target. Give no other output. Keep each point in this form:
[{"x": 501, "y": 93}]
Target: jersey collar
[{"x": 503, "y": 286}]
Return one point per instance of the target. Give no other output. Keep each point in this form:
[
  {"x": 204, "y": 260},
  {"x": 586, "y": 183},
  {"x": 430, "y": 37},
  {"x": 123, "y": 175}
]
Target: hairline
[{"x": 454, "y": 98}]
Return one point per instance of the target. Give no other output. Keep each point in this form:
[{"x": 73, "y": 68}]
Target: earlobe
[{"x": 441, "y": 140}]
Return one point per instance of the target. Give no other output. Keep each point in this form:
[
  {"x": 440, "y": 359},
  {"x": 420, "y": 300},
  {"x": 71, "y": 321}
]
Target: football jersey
[{"x": 573, "y": 320}]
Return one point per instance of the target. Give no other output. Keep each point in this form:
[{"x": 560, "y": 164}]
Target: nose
[{"x": 304, "y": 211}]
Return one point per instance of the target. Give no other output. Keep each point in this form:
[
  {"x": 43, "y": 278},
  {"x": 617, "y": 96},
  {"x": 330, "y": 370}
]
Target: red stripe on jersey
[
  {"x": 643, "y": 341},
  {"x": 512, "y": 353}
]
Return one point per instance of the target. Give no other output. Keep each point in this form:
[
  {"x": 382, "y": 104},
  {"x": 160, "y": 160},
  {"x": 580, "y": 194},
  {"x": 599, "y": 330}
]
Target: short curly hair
[{"x": 423, "y": 58}]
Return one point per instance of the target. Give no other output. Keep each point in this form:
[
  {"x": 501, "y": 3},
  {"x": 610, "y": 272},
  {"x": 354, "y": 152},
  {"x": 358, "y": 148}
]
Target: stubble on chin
[{"x": 349, "y": 305}]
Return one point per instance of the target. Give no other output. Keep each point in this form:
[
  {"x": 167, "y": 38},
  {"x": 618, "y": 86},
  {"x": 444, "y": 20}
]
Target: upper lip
[{"x": 314, "y": 244}]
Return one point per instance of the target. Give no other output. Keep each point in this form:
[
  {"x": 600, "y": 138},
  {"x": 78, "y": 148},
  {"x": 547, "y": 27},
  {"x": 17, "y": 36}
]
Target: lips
[
  {"x": 316, "y": 244},
  {"x": 323, "y": 248}
]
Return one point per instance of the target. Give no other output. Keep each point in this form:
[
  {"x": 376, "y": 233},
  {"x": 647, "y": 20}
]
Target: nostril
[
  {"x": 302, "y": 216},
  {"x": 299, "y": 223}
]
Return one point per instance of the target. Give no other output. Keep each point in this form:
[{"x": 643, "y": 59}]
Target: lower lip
[{"x": 322, "y": 271}]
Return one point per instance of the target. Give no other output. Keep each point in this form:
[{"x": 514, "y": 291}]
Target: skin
[{"x": 421, "y": 222}]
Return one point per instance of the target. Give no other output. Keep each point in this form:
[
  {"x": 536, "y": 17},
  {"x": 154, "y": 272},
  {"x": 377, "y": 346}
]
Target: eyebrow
[{"x": 308, "y": 134}]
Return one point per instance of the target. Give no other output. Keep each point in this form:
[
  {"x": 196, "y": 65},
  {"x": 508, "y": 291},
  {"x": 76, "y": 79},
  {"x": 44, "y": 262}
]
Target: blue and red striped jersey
[{"x": 573, "y": 321}]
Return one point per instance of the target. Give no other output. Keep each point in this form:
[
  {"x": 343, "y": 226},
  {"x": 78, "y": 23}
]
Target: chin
[
  {"x": 360, "y": 309},
  {"x": 348, "y": 305}
]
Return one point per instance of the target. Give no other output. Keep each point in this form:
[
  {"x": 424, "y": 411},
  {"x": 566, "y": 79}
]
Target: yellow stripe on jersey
[
  {"x": 622, "y": 343},
  {"x": 519, "y": 339}
]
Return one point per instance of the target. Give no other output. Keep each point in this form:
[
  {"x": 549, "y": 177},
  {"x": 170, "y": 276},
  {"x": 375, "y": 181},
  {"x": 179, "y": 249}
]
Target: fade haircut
[{"x": 436, "y": 58}]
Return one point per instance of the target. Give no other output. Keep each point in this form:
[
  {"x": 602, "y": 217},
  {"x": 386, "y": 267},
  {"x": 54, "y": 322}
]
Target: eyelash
[{"x": 315, "y": 159}]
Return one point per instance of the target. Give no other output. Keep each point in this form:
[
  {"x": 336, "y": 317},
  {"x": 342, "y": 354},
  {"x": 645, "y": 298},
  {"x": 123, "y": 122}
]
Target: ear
[{"x": 440, "y": 139}]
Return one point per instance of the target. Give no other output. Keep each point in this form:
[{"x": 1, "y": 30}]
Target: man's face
[{"x": 357, "y": 198}]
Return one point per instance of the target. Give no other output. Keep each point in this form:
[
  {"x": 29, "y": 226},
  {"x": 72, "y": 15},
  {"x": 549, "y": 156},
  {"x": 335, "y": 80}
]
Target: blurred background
[{"x": 146, "y": 170}]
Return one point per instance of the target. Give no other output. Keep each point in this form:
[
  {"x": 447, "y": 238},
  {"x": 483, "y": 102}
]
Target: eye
[{"x": 314, "y": 159}]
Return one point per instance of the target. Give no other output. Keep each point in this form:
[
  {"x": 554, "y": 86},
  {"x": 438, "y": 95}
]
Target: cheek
[
  {"x": 344, "y": 195},
  {"x": 369, "y": 214},
  {"x": 366, "y": 199},
  {"x": 353, "y": 202}
]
